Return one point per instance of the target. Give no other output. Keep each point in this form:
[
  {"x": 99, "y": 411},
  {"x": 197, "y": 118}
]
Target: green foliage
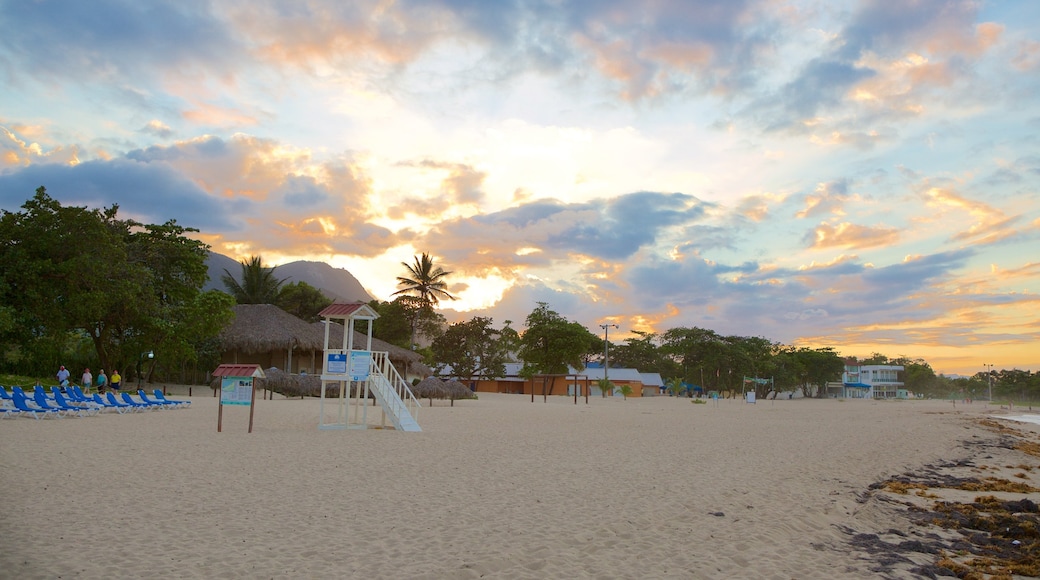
[
  {"x": 472, "y": 349},
  {"x": 675, "y": 387},
  {"x": 72, "y": 277},
  {"x": 302, "y": 301},
  {"x": 606, "y": 387},
  {"x": 551, "y": 344},
  {"x": 258, "y": 286},
  {"x": 625, "y": 391},
  {"x": 424, "y": 280},
  {"x": 396, "y": 319}
]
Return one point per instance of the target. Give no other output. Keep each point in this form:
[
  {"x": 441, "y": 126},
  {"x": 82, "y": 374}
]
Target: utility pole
[
  {"x": 606, "y": 349},
  {"x": 989, "y": 379}
]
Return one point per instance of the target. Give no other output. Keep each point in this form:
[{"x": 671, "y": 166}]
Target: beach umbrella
[
  {"x": 457, "y": 390},
  {"x": 430, "y": 388}
]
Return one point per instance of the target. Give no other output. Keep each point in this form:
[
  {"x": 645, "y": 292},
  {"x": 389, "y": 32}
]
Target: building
[
  {"x": 860, "y": 381},
  {"x": 583, "y": 381}
]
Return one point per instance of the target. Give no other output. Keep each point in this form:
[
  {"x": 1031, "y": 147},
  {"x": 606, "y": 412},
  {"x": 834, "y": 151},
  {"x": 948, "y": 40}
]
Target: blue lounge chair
[
  {"x": 136, "y": 404},
  {"x": 71, "y": 399},
  {"x": 80, "y": 410},
  {"x": 112, "y": 403},
  {"x": 40, "y": 398},
  {"x": 77, "y": 395},
  {"x": 144, "y": 397},
  {"x": 22, "y": 404},
  {"x": 5, "y": 396},
  {"x": 39, "y": 390},
  {"x": 8, "y": 412},
  {"x": 159, "y": 396}
]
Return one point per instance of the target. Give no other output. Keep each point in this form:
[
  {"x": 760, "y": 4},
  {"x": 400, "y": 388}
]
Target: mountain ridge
[{"x": 336, "y": 283}]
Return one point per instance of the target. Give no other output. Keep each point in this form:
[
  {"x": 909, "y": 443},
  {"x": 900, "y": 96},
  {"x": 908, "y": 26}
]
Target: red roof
[
  {"x": 253, "y": 370},
  {"x": 349, "y": 310}
]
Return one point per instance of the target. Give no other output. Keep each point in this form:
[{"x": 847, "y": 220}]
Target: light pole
[
  {"x": 989, "y": 380},
  {"x": 140, "y": 358},
  {"x": 606, "y": 349}
]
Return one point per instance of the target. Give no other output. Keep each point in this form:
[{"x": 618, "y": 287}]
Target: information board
[
  {"x": 360, "y": 364},
  {"x": 236, "y": 390},
  {"x": 337, "y": 364}
]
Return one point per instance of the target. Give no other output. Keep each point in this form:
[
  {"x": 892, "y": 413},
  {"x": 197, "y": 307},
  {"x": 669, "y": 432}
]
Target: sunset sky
[{"x": 857, "y": 174}]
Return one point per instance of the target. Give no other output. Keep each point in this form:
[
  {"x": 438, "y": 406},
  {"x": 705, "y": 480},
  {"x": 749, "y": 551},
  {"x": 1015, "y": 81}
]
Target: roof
[
  {"x": 857, "y": 385},
  {"x": 652, "y": 379},
  {"x": 357, "y": 310},
  {"x": 230, "y": 370},
  {"x": 264, "y": 328}
]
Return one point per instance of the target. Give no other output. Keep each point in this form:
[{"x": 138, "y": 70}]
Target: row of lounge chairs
[{"x": 73, "y": 401}]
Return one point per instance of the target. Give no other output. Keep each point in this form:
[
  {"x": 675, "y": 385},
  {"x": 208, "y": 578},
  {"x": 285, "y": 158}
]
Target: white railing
[{"x": 397, "y": 396}]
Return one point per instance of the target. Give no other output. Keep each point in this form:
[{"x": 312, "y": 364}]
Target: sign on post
[
  {"x": 236, "y": 391},
  {"x": 236, "y": 388}
]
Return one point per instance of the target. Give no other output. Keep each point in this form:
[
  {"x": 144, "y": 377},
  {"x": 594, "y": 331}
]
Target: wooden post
[
  {"x": 252, "y": 404},
  {"x": 220, "y": 414}
]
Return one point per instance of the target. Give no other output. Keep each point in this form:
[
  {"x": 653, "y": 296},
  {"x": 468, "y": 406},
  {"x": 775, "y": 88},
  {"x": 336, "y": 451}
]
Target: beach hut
[{"x": 266, "y": 335}]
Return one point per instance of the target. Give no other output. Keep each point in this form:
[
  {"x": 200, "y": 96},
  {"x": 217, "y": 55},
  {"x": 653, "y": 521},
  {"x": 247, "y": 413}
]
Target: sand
[{"x": 494, "y": 488}]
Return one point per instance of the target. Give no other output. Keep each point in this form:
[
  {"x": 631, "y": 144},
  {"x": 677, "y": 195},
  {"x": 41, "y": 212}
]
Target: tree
[
  {"x": 73, "y": 274},
  {"x": 425, "y": 283},
  {"x": 258, "y": 286},
  {"x": 606, "y": 387},
  {"x": 302, "y": 300},
  {"x": 471, "y": 349},
  {"x": 424, "y": 280},
  {"x": 817, "y": 367},
  {"x": 625, "y": 391},
  {"x": 552, "y": 344}
]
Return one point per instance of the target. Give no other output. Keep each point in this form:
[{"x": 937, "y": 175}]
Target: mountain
[{"x": 336, "y": 283}]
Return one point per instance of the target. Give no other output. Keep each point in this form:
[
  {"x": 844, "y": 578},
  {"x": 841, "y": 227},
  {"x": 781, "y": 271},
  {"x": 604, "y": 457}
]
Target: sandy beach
[{"x": 499, "y": 487}]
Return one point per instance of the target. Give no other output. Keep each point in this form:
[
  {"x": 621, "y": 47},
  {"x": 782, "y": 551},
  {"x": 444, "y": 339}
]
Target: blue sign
[
  {"x": 360, "y": 364},
  {"x": 337, "y": 364}
]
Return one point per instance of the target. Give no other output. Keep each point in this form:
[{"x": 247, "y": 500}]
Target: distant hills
[{"x": 336, "y": 283}]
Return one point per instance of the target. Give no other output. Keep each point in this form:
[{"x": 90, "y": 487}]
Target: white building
[{"x": 871, "y": 381}]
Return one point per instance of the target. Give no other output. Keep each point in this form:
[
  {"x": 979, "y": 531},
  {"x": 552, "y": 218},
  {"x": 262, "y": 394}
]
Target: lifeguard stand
[{"x": 360, "y": 372}]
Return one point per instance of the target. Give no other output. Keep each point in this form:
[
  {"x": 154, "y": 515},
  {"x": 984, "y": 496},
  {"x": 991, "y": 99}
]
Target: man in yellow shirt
[{"x": 114, "y": 380}]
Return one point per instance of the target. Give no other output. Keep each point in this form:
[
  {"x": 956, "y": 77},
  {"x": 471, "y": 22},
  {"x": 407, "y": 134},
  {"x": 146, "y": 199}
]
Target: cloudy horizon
[{"x": 855, "y": 174}]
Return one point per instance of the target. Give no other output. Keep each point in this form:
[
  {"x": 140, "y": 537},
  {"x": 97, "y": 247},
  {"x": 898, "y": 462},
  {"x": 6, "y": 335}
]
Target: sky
[{"x": 859, "y": 174}]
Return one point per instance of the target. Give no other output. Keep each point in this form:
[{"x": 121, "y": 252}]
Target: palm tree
[
  {"x": 426, "y": 281},
  {"x": 259, "y": 286}
]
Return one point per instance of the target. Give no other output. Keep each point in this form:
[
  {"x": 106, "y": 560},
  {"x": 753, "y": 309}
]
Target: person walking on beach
[
  {"x": 115, "y": 380},
  {"x": 102, "y": 382},
  {"x": 87, "y": 379},
  {"x": 63, "y": 376}
]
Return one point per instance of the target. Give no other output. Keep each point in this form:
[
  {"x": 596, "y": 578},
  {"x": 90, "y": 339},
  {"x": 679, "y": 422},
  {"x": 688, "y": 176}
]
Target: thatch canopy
[
  {"x": 434, "y": 388},
  {"x": 430, "y": 388},
  {"x": 259, "y": 328}
]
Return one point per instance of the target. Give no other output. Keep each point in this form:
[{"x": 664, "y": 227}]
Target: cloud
[
  {"x": 157, "y": 128},
  {"x": 849, "y": 235},
  {"x": 110, "y": 40},
  {"x": 150, "y": 193}
]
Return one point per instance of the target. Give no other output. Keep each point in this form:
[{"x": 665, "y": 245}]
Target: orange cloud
[{"x": 853, "y": 236}]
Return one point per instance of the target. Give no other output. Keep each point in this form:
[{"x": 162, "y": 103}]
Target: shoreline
[{"x": 495, "y": 487}]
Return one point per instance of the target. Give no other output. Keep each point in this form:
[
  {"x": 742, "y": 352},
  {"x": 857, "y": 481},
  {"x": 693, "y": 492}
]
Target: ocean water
[{"x": 1035, "y": 419}]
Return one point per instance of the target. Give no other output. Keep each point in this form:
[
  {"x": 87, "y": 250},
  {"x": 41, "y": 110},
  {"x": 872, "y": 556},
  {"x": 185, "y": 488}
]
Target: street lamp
[
  {"x": 989, "y": 379},
  {"x": 606, "y": 349},
  {"x": 140, "y": 358}
]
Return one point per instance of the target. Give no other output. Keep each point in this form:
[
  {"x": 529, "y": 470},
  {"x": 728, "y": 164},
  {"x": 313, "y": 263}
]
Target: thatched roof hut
[
  {"x": 271, "y": 337},
  {"x": 259, "y": 328}
]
